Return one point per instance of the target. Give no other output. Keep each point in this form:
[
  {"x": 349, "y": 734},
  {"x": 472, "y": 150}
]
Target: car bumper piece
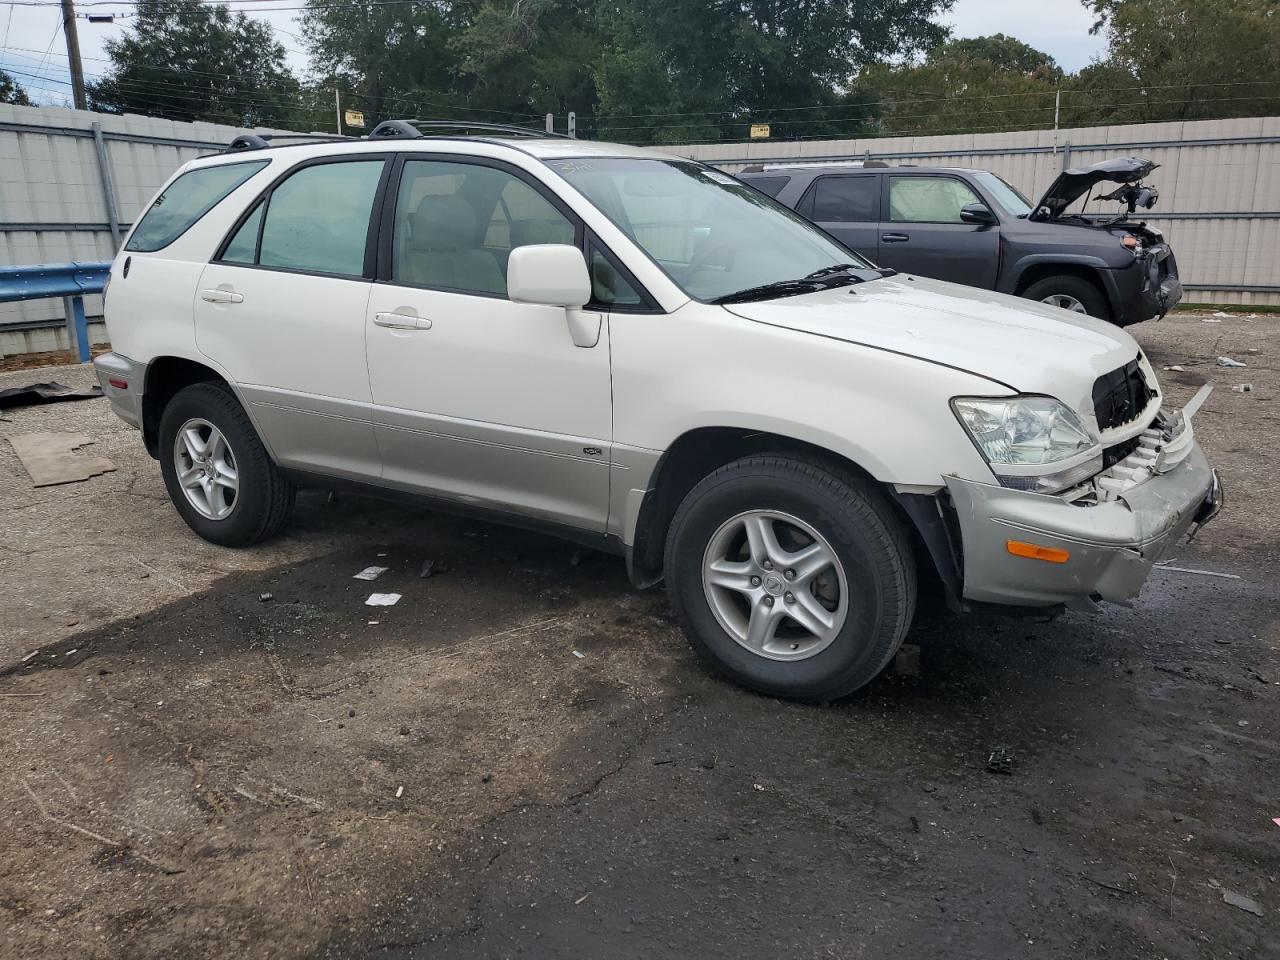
[
  {"x": 1109, "y": 545},
  {"x": 122, "y": 383}
]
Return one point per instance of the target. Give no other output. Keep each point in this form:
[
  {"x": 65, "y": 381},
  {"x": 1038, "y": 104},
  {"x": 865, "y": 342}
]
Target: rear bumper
[
  {"x": 1111, "y": 546},
  {"x": 114, "y": 369}
]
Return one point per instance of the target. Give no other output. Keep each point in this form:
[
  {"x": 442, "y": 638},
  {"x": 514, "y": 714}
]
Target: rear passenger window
[
  {"x": 185, "y": 201},
  {"x": 844, "y": 200},
  {"x": 457, "y": 223},
  {"x": 317, "y": 221}
]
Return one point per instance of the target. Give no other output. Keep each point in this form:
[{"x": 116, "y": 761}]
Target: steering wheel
[{"x": 706, "y": 256}]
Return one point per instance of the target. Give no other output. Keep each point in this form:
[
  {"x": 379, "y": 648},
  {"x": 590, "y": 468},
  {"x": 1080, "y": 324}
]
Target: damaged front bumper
[{"x": 1104, "y": 538}]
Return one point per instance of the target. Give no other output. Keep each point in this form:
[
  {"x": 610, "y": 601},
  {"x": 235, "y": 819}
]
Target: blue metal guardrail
[{"x": 70, "y": 281}]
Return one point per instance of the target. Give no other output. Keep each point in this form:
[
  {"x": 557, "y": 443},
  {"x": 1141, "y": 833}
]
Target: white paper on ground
[
  {"x": 382, "y": 599},
  {"x": 370, "y": 573}
]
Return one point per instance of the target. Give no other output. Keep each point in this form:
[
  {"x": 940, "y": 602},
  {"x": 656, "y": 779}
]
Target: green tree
[
  {"x": 972, "y": 85},
  {"x": 185, "y": 60},
  {"x": 1184, "y": 59},
  {"x": 11, "y": 91},
  {"x": 705, "y": 69}
]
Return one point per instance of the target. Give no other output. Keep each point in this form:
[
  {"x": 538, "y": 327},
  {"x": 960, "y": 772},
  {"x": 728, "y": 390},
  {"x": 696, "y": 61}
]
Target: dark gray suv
[{"x": 971, "y": 227}]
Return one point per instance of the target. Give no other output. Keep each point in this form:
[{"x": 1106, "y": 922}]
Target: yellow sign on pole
[
  {"x": 759, "y": 131},
  {"x": 353, "y": 118}
]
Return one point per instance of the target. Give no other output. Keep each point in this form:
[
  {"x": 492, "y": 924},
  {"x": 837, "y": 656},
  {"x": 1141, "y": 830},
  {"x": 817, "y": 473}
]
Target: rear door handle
[
  {"x": 895, "y": 237},
  {"x": 221, "y": 296},
  {"x": 401, "y": 321}
]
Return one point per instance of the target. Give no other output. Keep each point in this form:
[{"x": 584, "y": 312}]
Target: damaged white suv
[{"x": 641, "y": 353}]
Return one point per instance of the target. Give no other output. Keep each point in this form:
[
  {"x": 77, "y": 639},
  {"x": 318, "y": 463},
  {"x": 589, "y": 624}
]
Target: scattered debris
[
  {"x": 382, "y": 600},
  {"x": 1242, "y": 388},
  {"x": 1213, "y": 319},
  {"x": 1221, "y": 313},
  {"x": 31, "y": 656},
  {"x": 399, "y": 792},
  {"x": 1000, "y": 761},
  {"x": 581, "y": 900},
  {"x": 370, "y": 573},
  {"x": 1203, "y": 573},
  {"x": 1110, "y": 886},
  {"x": 1229, "y": 362},
  {"x": 37, "y": 393},
  {"x": 906, "y": 662},
  {"x": 50, "y": 458},
  {"x": 264, "y": 597},
  {"x": 758, "y": 786},
  {"x": 579, "y": 654},
  {"x": 1276, "y": 821},
  {"x": 1241, "y": 901},
  {"x": 1177, "y": 368},
  {"x": 432, "y": 567}
]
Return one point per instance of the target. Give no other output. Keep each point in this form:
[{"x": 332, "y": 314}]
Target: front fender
[{"x": 1097, "y": 266}]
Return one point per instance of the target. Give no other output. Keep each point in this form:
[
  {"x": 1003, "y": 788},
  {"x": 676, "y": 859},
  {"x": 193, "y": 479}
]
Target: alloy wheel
[
  {"x": 1065, "y": 301},
  {"x": 775, "y": 585},
  {"x": 206, "y": 469}
]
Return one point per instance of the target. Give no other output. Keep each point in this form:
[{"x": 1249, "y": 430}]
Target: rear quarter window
[
  {"x": 185, "y": 201},
  {"x": 769, "y": 186}
]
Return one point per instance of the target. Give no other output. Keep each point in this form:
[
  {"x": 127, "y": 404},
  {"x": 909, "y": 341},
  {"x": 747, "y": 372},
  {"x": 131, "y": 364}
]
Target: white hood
[{"x": 1027, "y": 346}]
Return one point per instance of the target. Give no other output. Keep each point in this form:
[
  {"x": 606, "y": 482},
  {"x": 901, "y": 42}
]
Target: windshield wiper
[{"x": 824, "y": 279}]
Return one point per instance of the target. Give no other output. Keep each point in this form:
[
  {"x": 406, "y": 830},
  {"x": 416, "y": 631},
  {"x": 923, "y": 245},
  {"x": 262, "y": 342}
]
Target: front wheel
[
  {"x": 1070, "y": 293},
  {"x": 218, "y": 474},
  {"x": 790, "y": 577}
]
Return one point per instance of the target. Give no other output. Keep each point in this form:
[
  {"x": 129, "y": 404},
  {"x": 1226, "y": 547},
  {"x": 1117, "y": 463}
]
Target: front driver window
[
  {"x": 928, "y": 199},
  {"x": 457, "y": 223}
]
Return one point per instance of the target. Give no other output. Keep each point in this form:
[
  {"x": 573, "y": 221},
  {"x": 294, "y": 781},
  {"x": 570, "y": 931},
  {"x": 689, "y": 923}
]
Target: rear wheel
[
  {"x": 218, "y": 474},
  {"x": 790, "y": 577},
  {"x": 1070, "y": 293}
]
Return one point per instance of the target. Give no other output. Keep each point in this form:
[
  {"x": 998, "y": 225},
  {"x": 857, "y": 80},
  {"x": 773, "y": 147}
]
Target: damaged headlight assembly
[{"x": 1032, "y": 443}]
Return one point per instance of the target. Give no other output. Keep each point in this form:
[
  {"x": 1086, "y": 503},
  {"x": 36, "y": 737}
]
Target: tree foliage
[
  {"x": 11, "y": 91},
  {"x": 185, "y": 60},
  {"x": 643, "y": 70}
]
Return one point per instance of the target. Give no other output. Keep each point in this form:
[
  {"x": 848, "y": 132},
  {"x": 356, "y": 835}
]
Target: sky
[{"x": 32, "y": 47}]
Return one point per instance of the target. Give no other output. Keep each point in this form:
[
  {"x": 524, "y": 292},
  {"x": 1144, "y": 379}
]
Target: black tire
[
  {"x": 1088, "y": 294},
  {"x": 865, "y": 535},
  {"x": 264, "y": 498}
]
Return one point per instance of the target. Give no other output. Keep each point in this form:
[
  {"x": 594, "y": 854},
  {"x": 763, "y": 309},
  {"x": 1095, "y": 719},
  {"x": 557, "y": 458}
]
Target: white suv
[{"x": 646, "y": 355}]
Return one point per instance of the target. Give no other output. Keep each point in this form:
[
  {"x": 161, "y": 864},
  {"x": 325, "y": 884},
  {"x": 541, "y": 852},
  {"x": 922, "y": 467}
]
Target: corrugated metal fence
[
  {"x": 1219, "y": 184},
  {"x": 71, "y": 183}
]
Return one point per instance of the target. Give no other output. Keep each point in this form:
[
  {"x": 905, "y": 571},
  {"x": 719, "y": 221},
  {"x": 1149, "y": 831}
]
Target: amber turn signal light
[{"x": 1035, "y": 552}]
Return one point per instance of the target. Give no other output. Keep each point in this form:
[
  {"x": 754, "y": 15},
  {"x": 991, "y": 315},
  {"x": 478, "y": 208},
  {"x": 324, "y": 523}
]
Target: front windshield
[
  {"x": 1005, "y": 194},
  {"x": 712, "y": 235}
]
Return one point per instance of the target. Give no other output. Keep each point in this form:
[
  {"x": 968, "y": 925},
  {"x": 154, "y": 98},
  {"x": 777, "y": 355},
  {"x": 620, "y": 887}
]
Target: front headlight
[{"x": 1021, "y": 436}]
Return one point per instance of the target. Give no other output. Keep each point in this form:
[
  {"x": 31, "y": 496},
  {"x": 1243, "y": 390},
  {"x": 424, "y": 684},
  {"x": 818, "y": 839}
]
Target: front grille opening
[
  {"x": 1119, "y": 396},
  {"x": 1113, "y": 455}
]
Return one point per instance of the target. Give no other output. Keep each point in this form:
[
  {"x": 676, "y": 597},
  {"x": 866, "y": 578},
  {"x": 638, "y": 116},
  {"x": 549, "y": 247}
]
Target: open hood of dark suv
[{"x": 1071, "y": 185}]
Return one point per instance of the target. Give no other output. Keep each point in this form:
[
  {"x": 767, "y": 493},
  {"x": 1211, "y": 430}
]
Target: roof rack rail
[
  {"x": 262, "y": 141},
  {"x": 483, "y": 127}
]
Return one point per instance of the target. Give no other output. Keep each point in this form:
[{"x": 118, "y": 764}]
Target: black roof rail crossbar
[
  {"x": 261, "y": 141},
  {"x": 484, "y": 127}
]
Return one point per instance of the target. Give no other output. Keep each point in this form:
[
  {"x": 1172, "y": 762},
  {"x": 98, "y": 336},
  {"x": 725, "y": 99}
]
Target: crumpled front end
[{"x": 1095, "y": 542}]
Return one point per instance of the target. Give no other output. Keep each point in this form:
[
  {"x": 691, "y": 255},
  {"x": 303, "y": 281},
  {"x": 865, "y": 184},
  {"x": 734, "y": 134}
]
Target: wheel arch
[
  {"x": 699, "y": 452},
  {"x": 1092, "y": 270},
  {"x": 165, "y": 376}
]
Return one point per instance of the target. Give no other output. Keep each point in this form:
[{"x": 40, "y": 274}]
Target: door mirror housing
[
  {"x": 550, "y": 274},
  {"x": 977, "y": 213}
]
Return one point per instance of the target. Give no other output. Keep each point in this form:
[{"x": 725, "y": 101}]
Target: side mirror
[
  {"x": 977, "y": 213},
  {"x": 551, "y": 274}
]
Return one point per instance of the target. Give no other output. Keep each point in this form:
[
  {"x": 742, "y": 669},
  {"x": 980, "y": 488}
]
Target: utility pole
[
  {"x": 337, "y": 108},
  {"x": 73, "y": 54}
]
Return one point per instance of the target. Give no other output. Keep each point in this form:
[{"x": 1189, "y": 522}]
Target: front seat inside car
[{"x": 444, "y": 251}]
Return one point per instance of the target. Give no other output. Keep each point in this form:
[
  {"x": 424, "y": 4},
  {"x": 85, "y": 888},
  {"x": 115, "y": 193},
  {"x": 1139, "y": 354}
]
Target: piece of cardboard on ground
[
  {"x": 50, "y": 458},
  {"x": 52, "y": 392}
]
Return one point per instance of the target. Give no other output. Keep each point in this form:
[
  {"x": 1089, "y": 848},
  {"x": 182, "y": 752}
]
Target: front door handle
[
  {"x": 221, "y": 295},
  {"x": 895, "y": 237},
  {"x": 401, "y": 321}
]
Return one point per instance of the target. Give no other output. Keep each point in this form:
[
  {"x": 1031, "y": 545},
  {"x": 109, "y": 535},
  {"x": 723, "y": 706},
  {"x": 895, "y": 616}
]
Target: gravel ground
[{"x": 522, "y": 757}]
